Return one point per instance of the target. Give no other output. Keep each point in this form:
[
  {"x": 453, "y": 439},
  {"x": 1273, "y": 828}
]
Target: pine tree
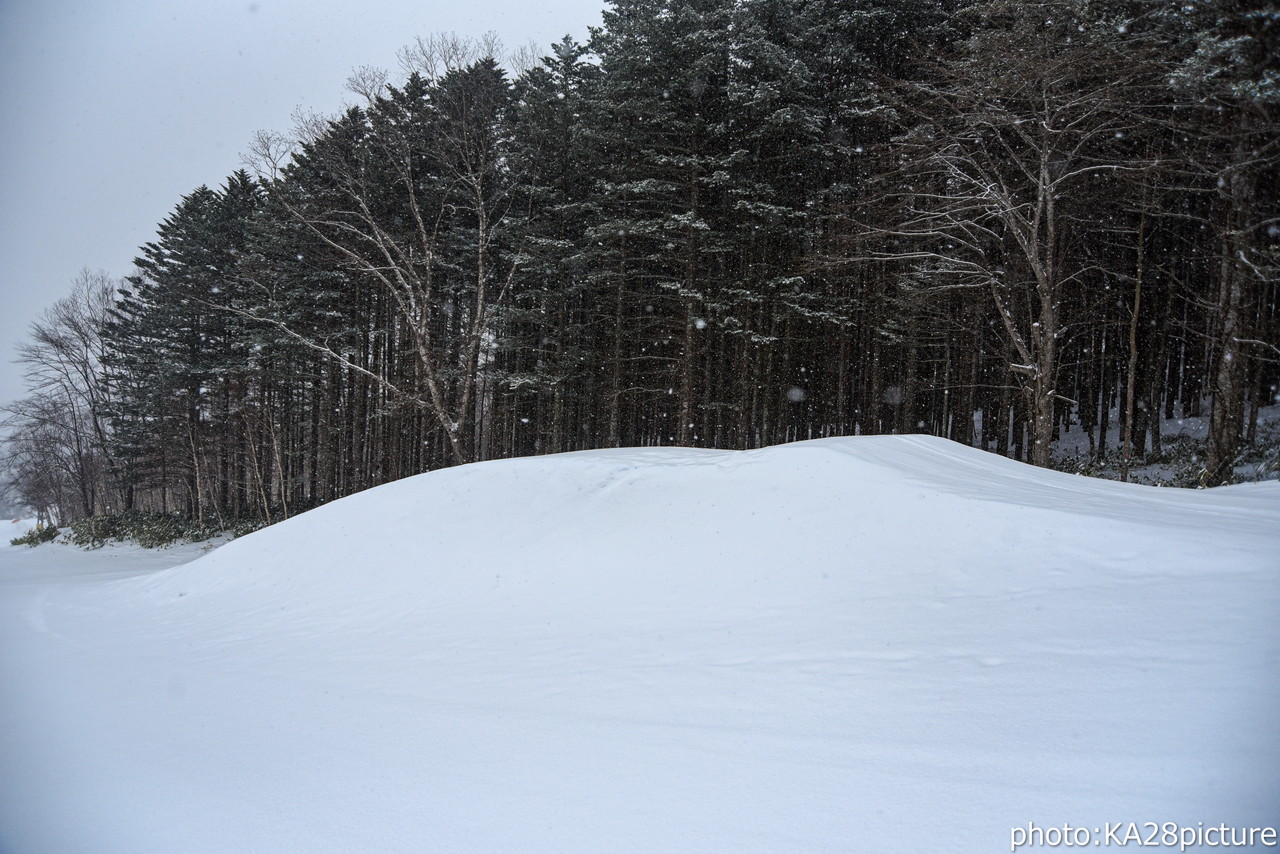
[
  {"x": 1230, "y": 84},
  {"x": 661, "y": 120},
  {"x": 547, "y": 344},
  {"x": 170, "y": 352}
]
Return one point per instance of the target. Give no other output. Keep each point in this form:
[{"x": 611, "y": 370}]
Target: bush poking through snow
[
  {"x": 37, "y": 535},
  {"x": 150, "y": 530}
]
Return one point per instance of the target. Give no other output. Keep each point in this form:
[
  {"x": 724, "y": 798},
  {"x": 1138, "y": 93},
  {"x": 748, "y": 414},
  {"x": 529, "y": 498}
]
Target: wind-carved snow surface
[{"x": 854, "y": 645}]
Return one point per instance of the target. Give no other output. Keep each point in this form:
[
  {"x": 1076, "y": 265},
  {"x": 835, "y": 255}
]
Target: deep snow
[{"x": 855, "y": 645}]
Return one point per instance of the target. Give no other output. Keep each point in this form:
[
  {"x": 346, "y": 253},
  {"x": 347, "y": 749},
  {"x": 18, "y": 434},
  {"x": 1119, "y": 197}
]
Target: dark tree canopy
[{"x": 728, "y": 223}]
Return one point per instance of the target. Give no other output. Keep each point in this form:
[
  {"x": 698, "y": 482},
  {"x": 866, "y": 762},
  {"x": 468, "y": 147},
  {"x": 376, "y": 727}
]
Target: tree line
[{"x": 729, "y": 223}]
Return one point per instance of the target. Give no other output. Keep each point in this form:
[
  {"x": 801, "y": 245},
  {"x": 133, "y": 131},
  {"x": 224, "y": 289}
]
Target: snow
[
  {"x": 17, "y": 528},
  {"x": 862, "y": 644}
]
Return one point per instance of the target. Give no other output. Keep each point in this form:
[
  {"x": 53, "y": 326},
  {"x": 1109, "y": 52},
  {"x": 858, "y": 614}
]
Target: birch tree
[{"x": 408, "y": 195}]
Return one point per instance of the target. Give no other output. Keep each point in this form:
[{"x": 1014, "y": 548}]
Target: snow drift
[{"x": 864, "y": 644}]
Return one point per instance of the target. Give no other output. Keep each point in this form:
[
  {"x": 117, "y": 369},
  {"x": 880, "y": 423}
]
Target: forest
[{"x": 720, "y": 223}]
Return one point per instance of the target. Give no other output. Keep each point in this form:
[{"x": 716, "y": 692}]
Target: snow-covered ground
[{"x": 858, "y": 645}]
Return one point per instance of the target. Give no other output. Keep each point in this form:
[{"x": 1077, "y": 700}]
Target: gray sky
[{"x": 113, "y": 110}]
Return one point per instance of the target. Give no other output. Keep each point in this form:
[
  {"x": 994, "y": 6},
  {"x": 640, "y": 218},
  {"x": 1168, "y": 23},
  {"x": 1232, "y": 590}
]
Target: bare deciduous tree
[
  {"x": 56, "y": 446},
  {"x": 1009, "y": 142},
  {"x": 413, "y": 192}
]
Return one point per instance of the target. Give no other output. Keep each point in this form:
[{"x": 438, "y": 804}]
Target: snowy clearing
[{"x": 866, "y": 644}]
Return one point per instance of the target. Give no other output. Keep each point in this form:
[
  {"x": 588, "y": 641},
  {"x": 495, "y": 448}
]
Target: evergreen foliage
[
  {"x": 36, "y": 536},
  {"x": 149, "y": 530}
]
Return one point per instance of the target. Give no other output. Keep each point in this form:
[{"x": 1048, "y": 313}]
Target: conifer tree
[
  {"x": 171, "y": 352},
  {"x": 548, "y": 345}
]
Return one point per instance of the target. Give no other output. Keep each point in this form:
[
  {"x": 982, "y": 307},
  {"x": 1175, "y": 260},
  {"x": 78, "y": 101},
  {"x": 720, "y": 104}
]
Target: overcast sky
[{"x": 111, "y": 111}]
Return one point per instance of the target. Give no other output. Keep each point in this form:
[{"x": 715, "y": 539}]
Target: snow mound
[
  {"x": 873, "y": 643},
  {"x": 678, "y": 524}
]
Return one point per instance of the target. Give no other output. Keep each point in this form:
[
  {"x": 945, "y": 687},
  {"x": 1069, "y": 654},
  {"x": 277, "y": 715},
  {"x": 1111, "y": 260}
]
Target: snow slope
[{"x": 865, "y": 644}]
